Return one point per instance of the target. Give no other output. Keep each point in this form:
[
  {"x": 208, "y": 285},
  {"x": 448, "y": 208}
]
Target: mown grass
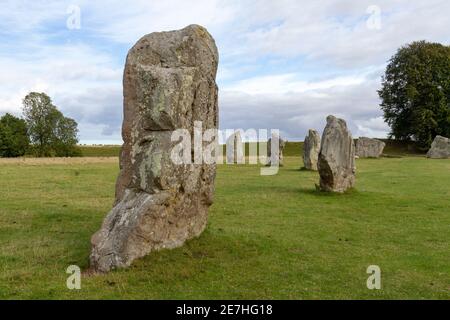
[
  {"x": 100, "y": 151},
  {"x": 267, "y": 236}
]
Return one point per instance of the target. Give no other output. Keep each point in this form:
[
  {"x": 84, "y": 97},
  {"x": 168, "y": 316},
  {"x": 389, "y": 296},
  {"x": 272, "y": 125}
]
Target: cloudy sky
[{"x": 284, "y": 64}]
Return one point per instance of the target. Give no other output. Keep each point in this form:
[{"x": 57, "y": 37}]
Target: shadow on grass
[{"x": 300, "y": 169}]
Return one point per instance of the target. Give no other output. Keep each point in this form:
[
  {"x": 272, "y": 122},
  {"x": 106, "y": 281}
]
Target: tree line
[{"x": 43, "y": 131}]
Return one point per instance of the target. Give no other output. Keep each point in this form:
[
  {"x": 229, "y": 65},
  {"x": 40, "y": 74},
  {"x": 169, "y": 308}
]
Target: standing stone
[
  {"x": 337, "y": 157},
  {"x": 276, "y": 157},
  {"x": 369, "y": 148},
  {"x": 440, "y": 148},
  {"x": 311, "y": 149},
  {"x": 169, "y": 83},
  {"x": 235, "y": 149}
]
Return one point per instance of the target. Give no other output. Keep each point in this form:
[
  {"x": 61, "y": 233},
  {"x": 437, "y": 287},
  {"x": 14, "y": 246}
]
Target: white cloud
[
  {"x": 336, "y": 32},
  {"x": 284, "y": 83},
  {"x": 82, "y": 82},
  {"x": 18, "y": 16},
  {"x": 130, "y": 22},
  {"x": 374, "y": 127},
  {"x": 295, "y": 111}
]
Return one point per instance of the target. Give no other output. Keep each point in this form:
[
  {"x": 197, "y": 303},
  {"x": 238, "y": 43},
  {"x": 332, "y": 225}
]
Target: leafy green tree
[
  {"x": 65, "y": 138},
  {"x": 50, "y": 132},
  {"x": 415, "y": 92},
  {"x": 14, "y": 139}
]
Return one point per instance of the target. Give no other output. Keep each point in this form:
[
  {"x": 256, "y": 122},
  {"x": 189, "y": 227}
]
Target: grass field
[
  {"x": 292, "y": 149},
  {"x": 100, "y": 151},
  {"x": 267, "y": 237}
]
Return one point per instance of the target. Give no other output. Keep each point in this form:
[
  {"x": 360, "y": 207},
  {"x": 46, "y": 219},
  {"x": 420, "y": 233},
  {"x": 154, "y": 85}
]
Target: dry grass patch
[{"x": 55, "y": 161}]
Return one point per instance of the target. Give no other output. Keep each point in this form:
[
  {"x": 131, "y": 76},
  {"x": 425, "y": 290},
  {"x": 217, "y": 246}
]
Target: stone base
[{"x": 142, "y": 223}]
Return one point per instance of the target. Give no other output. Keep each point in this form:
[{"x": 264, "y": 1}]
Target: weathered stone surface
[
  {"x": 337, "y": 157},
  {"x": 369, "y": 148},
  {"x": 440, "y": 148},
  {"x": 311, "y": 149},
  {"x": 276, "y": 157},
  {"x": 235, "y": 149},
  {"x": 169, "y": 82}
]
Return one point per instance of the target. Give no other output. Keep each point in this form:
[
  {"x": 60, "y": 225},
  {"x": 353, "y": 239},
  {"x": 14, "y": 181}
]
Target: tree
[
  {"x": 50, "y": 132},
  {"x": 14, "y": 140},
  {"x": 415, "y": 92},
  {"x": 65, "y": 136}
]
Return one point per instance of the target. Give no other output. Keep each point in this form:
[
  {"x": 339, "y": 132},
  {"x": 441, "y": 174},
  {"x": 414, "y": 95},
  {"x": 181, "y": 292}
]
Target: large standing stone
[
  {"x": 337, "y": 157},
  {"x": 440, "y": 148},
  {"x": 311, "y": 149},
  {"x": 235, "y": 149},
  {"x": 369, "y": 148},
  {"x": 169, "y": 82},
  {"x": 276, "y": 157}
]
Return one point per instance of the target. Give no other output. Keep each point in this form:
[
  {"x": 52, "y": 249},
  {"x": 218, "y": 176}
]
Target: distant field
[
  {"x": 292, "y": 149},
  {"x": 50, "y": 161},
  {"x": 100, "y": 151},
  {"x": 267, "y": 236}
]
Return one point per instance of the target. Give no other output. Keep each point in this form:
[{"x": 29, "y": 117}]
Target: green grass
[
  {"x": 267, "y": 236},
  {"x": 292, "y": 149},
  {"x": 100, "y": 151}
]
